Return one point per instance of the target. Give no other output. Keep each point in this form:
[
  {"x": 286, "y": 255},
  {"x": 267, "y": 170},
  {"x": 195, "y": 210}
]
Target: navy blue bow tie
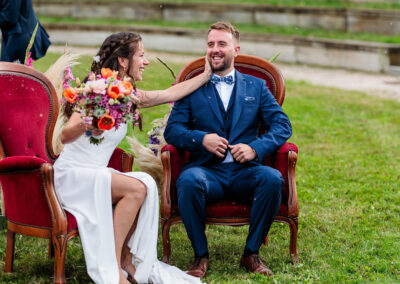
[{"x": 227, "y": 79}]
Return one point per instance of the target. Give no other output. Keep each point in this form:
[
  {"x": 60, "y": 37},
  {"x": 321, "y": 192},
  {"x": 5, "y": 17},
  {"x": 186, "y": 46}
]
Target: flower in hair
[{"x": 96, "y": 59}]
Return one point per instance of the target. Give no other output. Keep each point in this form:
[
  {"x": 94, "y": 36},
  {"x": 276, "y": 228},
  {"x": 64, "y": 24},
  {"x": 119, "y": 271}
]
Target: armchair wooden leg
[
  {"x": 166, "y": 241},
  {"x": 293, "y": 241},
  {"x": 266, "y": 241},
  {"x": 10, "y": 251},
  {"x": 60, "y": 251}
]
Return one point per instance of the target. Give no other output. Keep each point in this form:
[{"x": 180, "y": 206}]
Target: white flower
[
  {"x": 96, "y": 59},
  {"x": 98, "y": 86}
]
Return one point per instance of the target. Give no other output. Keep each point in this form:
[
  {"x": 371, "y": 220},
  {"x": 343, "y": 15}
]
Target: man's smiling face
[{"x": 221, "y": 51}]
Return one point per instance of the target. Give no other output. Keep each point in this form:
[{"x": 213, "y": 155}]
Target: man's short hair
[{"x": 225, "y": 26}]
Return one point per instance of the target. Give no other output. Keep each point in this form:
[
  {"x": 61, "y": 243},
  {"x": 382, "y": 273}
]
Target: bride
[{"x": 106, "y": 202}]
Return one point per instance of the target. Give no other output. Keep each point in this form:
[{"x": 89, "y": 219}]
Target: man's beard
[{"x": 224, "y": 66}]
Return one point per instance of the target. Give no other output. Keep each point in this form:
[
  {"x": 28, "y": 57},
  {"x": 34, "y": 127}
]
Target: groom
[{"x": 218, "y": 125}]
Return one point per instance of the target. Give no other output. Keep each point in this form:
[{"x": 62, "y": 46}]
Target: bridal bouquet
[{"x": 104, "y": 101}]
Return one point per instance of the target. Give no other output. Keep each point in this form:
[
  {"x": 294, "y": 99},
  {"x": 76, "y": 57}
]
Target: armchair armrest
[
  {"x": 166, "y": 186},
  {"x": 58, "y": 215},
  {"x": 23, "y": 191},
  {"x": 173, "y": 160},
  {"x": 285, "y": 161},
  {"x": 121, "y": 161}
]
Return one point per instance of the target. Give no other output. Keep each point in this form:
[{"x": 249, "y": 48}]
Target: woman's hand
[
  {"x": 75, "y": 128},
  {"x": 93, "y": 130},
  {"x": 176, "y": 92},
  {"x": 207, "y": 67}
]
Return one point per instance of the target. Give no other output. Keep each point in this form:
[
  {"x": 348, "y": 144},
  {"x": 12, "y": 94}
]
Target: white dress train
[{"x": 83, "y": 184}]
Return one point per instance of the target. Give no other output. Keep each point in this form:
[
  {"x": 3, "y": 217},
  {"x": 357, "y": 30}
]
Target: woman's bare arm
[
  {"x": 176, "y": 92},
  {"x": 74, "y": 128}
]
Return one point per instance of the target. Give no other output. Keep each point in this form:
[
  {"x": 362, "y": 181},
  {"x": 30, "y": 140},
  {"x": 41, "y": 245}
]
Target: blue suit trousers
[{"x": 258, "y": 184}]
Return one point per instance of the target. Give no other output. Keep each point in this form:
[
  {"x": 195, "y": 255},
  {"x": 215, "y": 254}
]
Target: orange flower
[
  {"x": 114, "y": 92},
  {"x": 70, "y": 95},
  {"x": 127, "y": 87},
  {"x": 107, "y": 72},
  {"x": 106, "y": 122}
]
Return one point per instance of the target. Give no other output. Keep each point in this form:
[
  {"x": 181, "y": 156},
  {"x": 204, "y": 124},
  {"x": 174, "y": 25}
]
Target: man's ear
[
  {"x": 237, "y": 49},
  {"x": 123, "y": 62}
]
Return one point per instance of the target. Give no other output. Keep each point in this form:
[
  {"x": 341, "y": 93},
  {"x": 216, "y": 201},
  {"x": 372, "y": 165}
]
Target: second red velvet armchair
[{"x": 232, "y": 212}]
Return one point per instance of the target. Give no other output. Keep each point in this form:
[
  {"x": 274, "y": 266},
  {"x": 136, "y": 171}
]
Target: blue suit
[
  {"x": 17, "y": 22},
  {"x": 206, "y": 180}
]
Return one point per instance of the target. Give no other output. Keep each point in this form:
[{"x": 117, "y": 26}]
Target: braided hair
[
  {"x": 116, "y": 45},
  {"x": 123, "y": 45}
]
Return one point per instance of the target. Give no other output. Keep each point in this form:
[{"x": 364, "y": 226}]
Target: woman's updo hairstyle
[{"x": 116, "y": 45}]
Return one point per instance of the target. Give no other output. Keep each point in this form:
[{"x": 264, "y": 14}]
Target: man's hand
[
  {"x": 215, "y": 144},
  {"x": 242, "y": 152}
]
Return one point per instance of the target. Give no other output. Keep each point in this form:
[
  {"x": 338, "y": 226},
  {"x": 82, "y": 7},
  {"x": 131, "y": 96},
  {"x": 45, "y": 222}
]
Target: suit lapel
[
  {"x": 238, "y": 105},
  {"x": 210, "y": 93}
]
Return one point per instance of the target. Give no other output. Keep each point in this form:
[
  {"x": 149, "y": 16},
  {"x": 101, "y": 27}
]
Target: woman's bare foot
[
  {"x": 122, "y": 278},
  {"x": 126, "y": 263}
]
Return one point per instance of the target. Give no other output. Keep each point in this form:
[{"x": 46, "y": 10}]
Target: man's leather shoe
[
  {"x": 199, "y": 267},
  {"x": 253, "y": 263}
]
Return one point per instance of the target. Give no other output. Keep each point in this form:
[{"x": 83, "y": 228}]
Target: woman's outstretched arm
[{"x": 176, "y": 92}]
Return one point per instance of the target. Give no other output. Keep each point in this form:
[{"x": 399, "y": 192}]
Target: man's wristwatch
[{"x": 256, "y": 158}]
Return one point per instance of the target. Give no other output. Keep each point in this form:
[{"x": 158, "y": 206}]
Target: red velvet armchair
[
  {"x": 233, "y": 212},
  {"x": 28, "y": 113}
]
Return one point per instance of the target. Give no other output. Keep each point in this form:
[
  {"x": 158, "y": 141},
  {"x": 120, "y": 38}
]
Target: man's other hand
[
  {"x": 215, "y": 144},
  {"x": 242, "y": 152}
]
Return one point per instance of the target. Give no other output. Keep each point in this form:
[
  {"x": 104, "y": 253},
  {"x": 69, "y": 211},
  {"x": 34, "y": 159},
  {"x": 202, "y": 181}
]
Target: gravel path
[{"x": 381, "y": 85}]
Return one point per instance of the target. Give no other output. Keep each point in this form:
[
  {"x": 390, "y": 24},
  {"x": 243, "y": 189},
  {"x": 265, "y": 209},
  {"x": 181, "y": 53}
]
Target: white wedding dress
[{"x": 83, "y": 184}]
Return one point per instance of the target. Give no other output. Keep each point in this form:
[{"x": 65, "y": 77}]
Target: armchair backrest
[
  {"x": 246, "y": 64},
  {"x": 28, "y": 112}
]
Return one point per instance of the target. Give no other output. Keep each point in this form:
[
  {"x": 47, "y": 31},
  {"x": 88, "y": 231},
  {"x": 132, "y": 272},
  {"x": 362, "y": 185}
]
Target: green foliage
[
  {"x": 347, "y": 179},
  {"x": 31, "y": 41}
]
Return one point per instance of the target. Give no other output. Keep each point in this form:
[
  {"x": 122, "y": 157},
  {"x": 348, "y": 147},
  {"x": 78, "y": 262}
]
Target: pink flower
[
  {"x": 98, "y": 86},
  {"x": 29, "y": 61},
  {"x": 68, "y": 74},
  {"x": 136, "y": 117}
]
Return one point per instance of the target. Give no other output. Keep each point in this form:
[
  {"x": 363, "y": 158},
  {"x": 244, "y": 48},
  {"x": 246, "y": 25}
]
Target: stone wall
[
  {"x": 352, "y": 20},
  {"x": 357, "y": 55}
]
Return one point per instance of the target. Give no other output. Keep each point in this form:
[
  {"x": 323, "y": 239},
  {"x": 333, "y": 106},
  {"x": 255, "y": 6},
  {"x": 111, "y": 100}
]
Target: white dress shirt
[{"x": 225, "y": 92}]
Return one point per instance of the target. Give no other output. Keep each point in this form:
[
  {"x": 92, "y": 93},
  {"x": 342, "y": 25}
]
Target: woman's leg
[
  {"x": 126, "y": 256},
  {"x": 128, "y": 195}
]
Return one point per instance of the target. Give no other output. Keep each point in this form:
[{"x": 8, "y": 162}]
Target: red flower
[
  {"x": 70, "y": 95},
  {"x": 106, "y": 122},
  {"x": 114, "y": 92}
]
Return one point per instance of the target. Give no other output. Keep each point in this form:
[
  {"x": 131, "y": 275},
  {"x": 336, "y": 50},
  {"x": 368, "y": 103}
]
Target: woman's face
[{"x": 139, "y": 63}]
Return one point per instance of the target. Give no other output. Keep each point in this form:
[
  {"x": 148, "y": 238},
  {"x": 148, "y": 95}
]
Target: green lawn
[
  {"x": 243, "y": 28},
  {"x": 347, "y": 179}
]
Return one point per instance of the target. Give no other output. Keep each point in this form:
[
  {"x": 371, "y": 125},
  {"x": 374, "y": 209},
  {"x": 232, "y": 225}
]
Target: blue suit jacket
[
  {"x": 17, "y": 22},
  {"x": 198, "y": 114}
]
